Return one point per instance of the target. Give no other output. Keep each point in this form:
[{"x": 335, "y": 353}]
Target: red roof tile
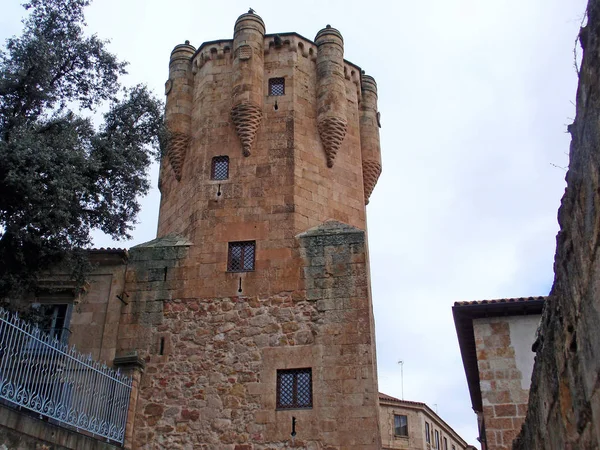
[{"x": 501, "y": 300}]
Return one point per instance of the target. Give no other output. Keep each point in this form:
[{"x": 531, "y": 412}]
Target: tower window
[
  {"x": 241, "y": 256},
  {"x": 294, "y": 388},
  {"x": 400, "y": 425},
  {"x": 276, "y": 86},
  {"x": 220, "y": 168}
]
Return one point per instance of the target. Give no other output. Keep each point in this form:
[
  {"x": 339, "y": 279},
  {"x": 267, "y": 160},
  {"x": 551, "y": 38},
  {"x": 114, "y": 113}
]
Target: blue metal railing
[{"x": 40, "y": 373}]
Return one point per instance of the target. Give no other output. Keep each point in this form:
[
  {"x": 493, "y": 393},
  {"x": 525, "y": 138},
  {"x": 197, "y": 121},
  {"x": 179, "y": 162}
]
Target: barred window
[
  {"x": 294, "y": 388},
  {"x": 241, "y": 256},
  {"x": 401, "y": 425},
  {"x": 220, "y": 168},
  {"x": 276, "y": 86}
]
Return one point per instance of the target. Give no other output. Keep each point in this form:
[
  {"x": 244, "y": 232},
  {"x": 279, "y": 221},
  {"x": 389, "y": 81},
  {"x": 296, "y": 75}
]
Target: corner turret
[
  {"x": 369, "y": 135},
  {"x": 248, "y": 75},
  {"x": 331, "y": 91},
  {"x": 178, "y": 90}
]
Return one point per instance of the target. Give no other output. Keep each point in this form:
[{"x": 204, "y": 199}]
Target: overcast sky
[{"x": 475, "y": 96}]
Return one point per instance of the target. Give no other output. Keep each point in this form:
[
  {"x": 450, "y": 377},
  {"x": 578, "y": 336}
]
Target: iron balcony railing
[{"x": 44, "y": 375}]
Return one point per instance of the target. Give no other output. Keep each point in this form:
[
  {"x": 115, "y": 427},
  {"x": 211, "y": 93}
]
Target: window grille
[
  {"x": 220, "y": 168},
  {"x": 241, "y": 256},
  {"x": 400, "y": 425},
  {"x": 276, "y": 86},
  {"x": 294, "y": 388}
]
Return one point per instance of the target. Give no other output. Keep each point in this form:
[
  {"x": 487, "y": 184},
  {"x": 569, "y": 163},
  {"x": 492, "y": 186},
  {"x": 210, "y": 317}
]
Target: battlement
[
  {"x": 224, "y": 89},
  {"x": 290, "y": 41}
]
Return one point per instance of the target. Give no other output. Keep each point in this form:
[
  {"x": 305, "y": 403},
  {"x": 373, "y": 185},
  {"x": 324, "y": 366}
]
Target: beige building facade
[
  {"x": 496, "y": 339},
  {"x": 414, "y": 426}
]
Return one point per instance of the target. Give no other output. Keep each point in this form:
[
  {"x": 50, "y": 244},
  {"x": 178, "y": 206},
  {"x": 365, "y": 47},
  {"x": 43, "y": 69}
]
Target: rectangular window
[
  {"x": 276, "y": 86},
  {"x": 52, "y": 319},
  {"x": 400, "y": 425},
  {"x": 294, "y": 389},
  {"x": 437, "y": 439},
  {"x": 445, "y": 444},
  {"x": 241, "y": 256},
  {"x": 427, "y": 433},
  {"x": 220, "y": 168}
]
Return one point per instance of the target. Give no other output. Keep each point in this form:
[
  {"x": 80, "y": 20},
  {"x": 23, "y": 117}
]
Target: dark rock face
[{"x": 564, "y": 402}]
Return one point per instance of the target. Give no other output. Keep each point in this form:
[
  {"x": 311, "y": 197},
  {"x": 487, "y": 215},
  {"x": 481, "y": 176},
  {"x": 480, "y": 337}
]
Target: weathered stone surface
[
  {"x": 19, "y": 431},
  {"x": 504, "y": 360},
  {"x": 215, "y": 383},
  {"x": 564, "y": 403}
]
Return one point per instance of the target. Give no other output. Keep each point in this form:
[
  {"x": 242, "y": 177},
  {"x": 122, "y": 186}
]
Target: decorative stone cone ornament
[
  {"x": 332, "y": 131},
  {"x": 178, "y": 110},
  {"x": 331, "y": 91},
  {"x": 246, "y": 117},
  {"x": 371, "y": 172},
  {"x": 178, "y": 143}
]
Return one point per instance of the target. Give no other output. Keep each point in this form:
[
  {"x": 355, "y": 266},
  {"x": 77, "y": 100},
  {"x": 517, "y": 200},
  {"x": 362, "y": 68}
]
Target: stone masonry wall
[
  {"x": 20, "y": 431},
  {"x": 503, "y": 379},
  {"x": 214, "y": 387},
  {"x": 564, "y": 403},
  {"x": 95, "y": 321}
]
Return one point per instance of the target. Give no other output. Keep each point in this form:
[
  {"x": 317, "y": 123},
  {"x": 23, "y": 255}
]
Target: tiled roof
[
  {"x": 389, "y": 398},
  {"x": 500, "y": 300},
  {"x": 465, "y": 312},
  {"x": 106, "y": 250}
]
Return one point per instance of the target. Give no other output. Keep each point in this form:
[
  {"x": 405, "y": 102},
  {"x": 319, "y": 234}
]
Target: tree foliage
[{"x": 60, "y": 175}]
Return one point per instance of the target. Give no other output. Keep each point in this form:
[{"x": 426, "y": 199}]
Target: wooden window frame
[
  {"x": 243, "y": 246},
  {"x": 294, "y": 404},
  {"x": 405, "y": 424}
]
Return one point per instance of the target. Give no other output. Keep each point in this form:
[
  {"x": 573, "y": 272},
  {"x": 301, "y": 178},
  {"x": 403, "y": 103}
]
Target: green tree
[{"x": 61, "y": 176}]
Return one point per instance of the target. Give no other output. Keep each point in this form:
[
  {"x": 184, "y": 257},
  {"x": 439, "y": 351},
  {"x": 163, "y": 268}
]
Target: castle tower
[{"x": 267, "y": 327}]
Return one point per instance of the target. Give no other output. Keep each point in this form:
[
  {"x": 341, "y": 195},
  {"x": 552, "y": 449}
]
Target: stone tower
[{"x": 266, "y": 338}]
